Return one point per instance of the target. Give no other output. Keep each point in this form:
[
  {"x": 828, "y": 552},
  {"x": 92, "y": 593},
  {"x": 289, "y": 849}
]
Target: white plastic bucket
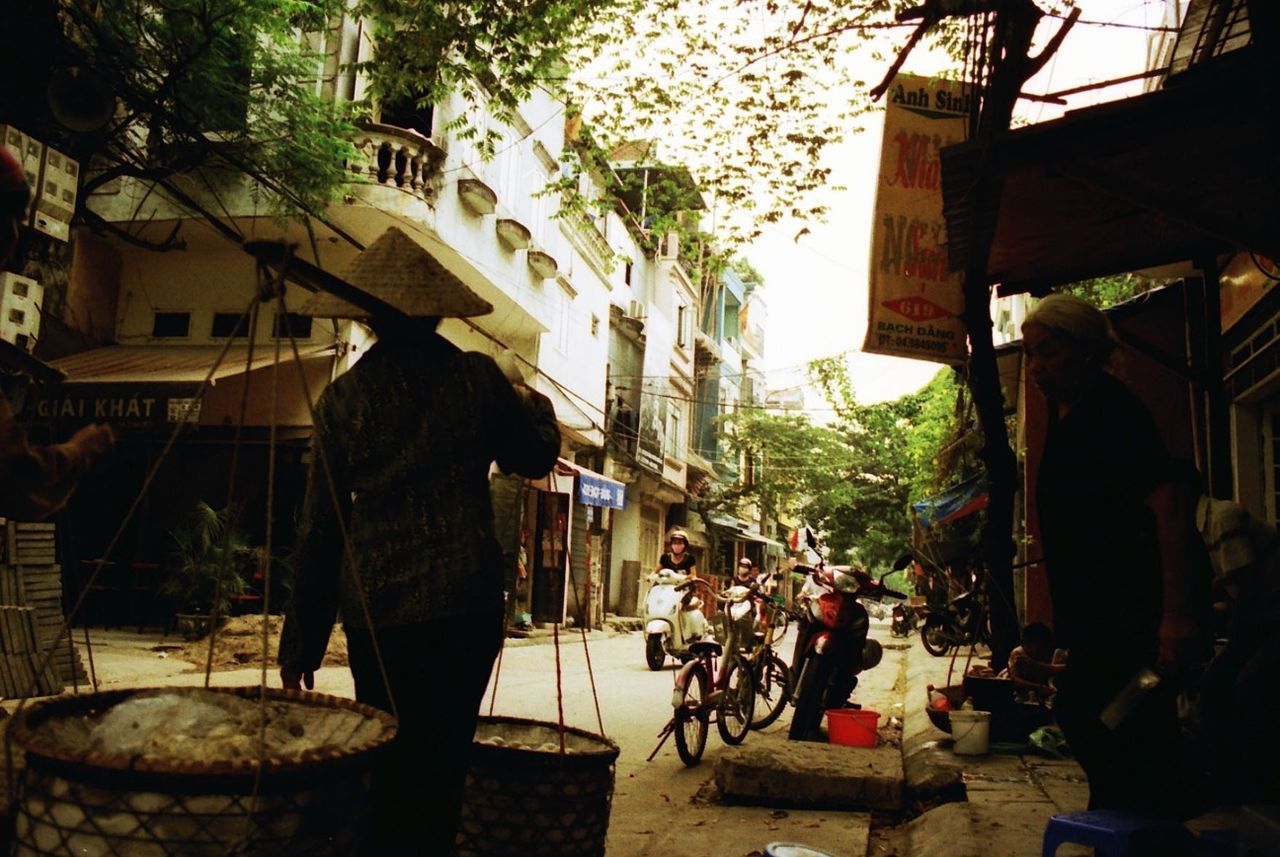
[{"x": 971, "y": 731}]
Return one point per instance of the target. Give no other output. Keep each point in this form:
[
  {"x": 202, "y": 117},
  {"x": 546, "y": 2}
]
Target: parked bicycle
[
  {"x": 710, "y": 685},
  {"x": 770, "y": 672}
]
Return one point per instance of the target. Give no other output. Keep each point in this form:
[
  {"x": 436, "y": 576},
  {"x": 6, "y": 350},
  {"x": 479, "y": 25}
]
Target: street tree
[{"x": 853, "y": 476}]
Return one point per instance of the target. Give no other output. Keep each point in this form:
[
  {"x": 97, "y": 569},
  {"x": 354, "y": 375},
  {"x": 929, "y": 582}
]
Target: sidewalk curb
[{"x": 931, "y": 774}]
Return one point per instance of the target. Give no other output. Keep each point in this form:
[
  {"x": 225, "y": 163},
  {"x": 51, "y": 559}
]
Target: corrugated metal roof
[{"x": 171, "y": 363}]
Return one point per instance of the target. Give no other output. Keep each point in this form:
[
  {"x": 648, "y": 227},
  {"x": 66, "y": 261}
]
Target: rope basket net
[
  {"x": 77, "y": 800},
  {"x": 536, "y": 789}
]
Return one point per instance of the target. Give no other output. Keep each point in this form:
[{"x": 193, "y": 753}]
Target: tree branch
[{"x": 1034, "y": 65}]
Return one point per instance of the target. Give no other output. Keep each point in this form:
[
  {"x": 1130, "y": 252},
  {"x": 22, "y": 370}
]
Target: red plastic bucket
[{"x": 852, "y": 726}]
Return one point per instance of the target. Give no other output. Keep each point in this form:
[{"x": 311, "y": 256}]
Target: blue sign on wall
[{"x": 599, "y": 491}]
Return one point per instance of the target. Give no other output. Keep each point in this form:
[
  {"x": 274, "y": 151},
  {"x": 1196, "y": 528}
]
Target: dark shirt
[
  {"x": 1101, "y": 461},
  {"x": 683, "y": 564},
  {"x": 410, "y": 434}
]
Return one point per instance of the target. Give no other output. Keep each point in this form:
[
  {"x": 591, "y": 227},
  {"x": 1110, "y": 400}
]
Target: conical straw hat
[{"x": 399, "y": 271}]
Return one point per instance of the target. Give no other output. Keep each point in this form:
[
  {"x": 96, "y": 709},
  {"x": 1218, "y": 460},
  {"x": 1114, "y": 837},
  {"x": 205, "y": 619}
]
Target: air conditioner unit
[
  {"x": 637, "y": 310},
  {"x": 20, "y": 303},
  {"x": 56, "y": 195},
  {"x": 669, "y": 248},
  {"x": 29, "y": 152}
]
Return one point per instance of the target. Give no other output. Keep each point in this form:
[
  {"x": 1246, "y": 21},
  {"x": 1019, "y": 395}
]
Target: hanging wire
[
  {"x": 555, "y": 626},
  {"x": 264, "y": 279},
  {"x": 231, "y": 488},
  {"x": 591, "y": 678}
]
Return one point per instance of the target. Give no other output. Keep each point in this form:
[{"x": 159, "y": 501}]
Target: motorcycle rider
[{"x": 678, "y": 558}]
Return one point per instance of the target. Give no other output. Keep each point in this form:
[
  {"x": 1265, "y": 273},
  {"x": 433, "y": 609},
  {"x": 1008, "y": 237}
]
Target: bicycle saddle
[{"x": 706, "y": 646}]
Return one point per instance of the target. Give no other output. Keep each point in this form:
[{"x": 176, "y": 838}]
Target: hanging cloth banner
[
  {"x": 961, "y": 500},
  {"x": 915, "y": 302}
]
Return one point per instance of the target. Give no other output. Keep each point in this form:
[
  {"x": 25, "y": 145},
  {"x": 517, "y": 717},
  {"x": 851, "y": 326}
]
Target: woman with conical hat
[{"x": 409, "y": 434}]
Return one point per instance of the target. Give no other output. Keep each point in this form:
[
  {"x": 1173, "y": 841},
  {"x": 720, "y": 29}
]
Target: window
[
  {"x": 626, "y": 272},
  {"x": 410, "y": 111},
  {"x": 675, "y": 442},
  {"x": 291, "y": 323},
  {"x": 171, "y": 325},
  {"x": 682, "y": 318},
  {"x": 224, "y": 325},
  {"x": 562, "y": 325}
]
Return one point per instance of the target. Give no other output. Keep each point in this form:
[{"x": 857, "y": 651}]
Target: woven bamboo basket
[
  {"x": 524, "y": 798},
  {"x": 77, "y": 801}
]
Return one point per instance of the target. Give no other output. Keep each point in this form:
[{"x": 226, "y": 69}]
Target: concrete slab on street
[{"x": 773, "y": 771}]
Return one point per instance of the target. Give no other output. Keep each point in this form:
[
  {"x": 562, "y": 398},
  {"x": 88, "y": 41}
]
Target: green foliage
[
  {"x": 205, "y": 560},
  {"x": 750, "y": 97},
  {"x": 744, "y": 269},
  {"x": 944, "y": 444},
  {"x": 494, "y": 53},
  {"x": 854, "y": 477},
  {"x": 1104, "y": 292},
  {"x": 204, "y": 83}
]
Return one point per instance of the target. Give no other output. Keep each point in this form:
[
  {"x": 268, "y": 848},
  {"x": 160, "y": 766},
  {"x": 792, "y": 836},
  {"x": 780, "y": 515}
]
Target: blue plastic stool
[{"x": 1117, "y": 834}]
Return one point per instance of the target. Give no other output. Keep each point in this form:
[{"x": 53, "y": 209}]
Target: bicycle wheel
[
  {"x": 691, "y": 717},
  {"x": 773, "y": 677},
  {"x": 733, "y": 715}
]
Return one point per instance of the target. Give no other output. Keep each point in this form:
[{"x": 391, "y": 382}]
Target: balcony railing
[{"x": 397, "y": 157}]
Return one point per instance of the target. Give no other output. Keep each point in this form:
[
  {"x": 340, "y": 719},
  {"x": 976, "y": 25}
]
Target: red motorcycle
[{"x": 832, "y": 647}]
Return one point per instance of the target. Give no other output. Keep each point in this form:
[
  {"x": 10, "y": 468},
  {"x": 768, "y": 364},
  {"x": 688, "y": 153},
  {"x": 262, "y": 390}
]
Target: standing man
[
  {"x": 403, "y": 443},
  {"x": 36, "y": 481},
  {"x": 1119, "y": 551}
]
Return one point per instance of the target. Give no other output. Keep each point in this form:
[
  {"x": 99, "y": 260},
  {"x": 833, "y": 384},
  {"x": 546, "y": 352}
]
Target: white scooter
[{"x": 669, "y": 626}]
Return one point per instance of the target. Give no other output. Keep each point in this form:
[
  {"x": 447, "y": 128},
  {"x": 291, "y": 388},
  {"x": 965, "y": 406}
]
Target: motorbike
[
  {"x": 905, "y": 620},
  {"x": 834, "y": 648},
  {"x": 964, "y": 622},
  {"x": 670, "y": 625}
]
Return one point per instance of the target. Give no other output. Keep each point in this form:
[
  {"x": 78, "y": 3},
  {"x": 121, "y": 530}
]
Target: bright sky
[{"x": 817, "y": 287}]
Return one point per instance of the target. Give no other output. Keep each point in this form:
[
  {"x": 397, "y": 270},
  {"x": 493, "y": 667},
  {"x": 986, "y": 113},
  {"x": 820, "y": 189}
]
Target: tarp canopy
[{"x": 956, "y": 502}]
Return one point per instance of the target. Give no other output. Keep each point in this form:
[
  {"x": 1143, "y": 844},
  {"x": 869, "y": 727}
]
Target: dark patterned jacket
[{"x": 409, "y": 433}]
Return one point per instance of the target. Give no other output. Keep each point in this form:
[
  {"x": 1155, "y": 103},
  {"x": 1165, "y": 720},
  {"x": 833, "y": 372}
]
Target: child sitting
[{"x": 1033, "y": 665}]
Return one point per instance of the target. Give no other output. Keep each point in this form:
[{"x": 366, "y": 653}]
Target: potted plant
[{"x": 205, "y": 558}]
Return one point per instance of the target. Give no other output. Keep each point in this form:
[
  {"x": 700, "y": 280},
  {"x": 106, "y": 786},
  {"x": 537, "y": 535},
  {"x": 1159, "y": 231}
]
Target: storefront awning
[
  {"x": 592, "y": 489},
  {"x": 734, "y": 529},
  {"x": 749, "y": 536},
  {"x": 183, "y": 364}
]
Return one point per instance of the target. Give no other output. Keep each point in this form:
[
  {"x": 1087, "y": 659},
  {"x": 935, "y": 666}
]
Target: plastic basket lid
[{"x": 792, "y": 849}]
